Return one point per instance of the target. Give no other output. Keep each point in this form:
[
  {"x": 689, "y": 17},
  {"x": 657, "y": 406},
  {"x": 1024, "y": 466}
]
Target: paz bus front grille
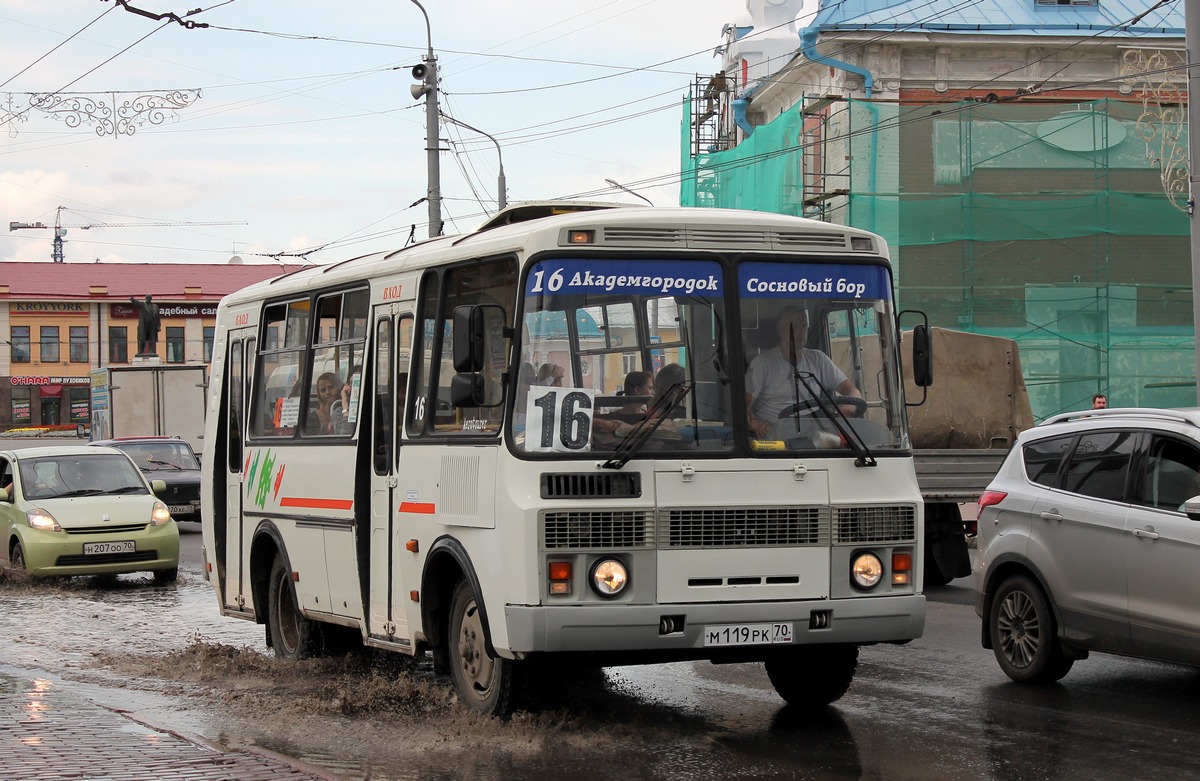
[
  {"x": 607, "y": 529},
  {"x": 875, "y": 524},
  {"x": 740, "y": 527}
]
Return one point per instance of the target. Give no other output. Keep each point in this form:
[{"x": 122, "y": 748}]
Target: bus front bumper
[{"x": 625, "y": 627}]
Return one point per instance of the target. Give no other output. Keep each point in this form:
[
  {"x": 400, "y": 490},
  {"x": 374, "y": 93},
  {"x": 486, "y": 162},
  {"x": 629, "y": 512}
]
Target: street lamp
[
  {"x": 501, "y": 197},
  {"x": 427, "y": 74},
  {"x": 620, "y": 186}
]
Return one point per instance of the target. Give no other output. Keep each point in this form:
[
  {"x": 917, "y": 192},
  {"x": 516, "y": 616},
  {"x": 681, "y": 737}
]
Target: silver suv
[{"x": 1089, "y": 540}]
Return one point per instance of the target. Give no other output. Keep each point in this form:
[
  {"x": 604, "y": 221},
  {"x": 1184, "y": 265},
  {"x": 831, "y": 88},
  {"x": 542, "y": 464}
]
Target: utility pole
[
  {"x": 501, "y": 184},
  {"x": 427, "y": 73},
  {"x": 1191, "y": 15}
]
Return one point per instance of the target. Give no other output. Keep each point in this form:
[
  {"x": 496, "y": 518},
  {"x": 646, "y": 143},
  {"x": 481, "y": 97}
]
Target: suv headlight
[
  {"x": 160, "y": 515},
  {"x": 42, "y": 519}
]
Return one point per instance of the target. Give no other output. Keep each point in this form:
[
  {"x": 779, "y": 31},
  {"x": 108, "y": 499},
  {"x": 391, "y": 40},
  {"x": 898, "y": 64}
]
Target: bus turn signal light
[
  {"x": 901, "y": 568},
  {"x": 560, "y": 577},
  {"x": 581, "y": 237}
]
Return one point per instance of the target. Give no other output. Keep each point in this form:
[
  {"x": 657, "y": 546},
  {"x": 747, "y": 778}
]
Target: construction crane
[{"x": 60, "y": 230}]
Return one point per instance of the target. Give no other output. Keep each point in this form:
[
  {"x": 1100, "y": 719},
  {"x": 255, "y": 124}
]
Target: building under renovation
[{"x": 1025, "y": 160}]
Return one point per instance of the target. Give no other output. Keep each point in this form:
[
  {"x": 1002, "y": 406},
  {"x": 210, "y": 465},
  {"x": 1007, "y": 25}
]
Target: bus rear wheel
[
  {"x": 485, "y": 683},
  {"x": 812, "y": 676},
  {"x": 293, "y": 636}
]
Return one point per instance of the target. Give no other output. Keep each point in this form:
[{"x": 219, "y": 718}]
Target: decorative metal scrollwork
[
  {"x": 110, "y": 113},
  {"x": 1159, "y": 76}
]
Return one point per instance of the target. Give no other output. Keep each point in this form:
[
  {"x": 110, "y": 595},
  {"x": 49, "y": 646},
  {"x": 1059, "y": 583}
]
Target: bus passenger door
[
  {"x": 234, "y": 558},
  {"x": 393, "y": 340}
]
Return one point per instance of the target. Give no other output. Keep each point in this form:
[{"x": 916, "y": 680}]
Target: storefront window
[
  {"x": 209, "y": 333},
  {"x": 22, "y": 406},
  {"x": 49, "y": 338},
  {"x": 118, "y": 344},
  {"x": 80, "y": 405},
  {"x": 79, "y": 344},
  {"x": 19, "y": 336},
  {"x": 174, "y": 344}
]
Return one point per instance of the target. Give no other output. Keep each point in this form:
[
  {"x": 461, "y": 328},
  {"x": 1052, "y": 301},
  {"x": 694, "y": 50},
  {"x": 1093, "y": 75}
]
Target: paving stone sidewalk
[{"x": 48, "y": 733}]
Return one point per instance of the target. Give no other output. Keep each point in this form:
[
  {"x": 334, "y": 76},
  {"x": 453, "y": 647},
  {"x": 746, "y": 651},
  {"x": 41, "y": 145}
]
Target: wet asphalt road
[{"x": 938, "y": 708}]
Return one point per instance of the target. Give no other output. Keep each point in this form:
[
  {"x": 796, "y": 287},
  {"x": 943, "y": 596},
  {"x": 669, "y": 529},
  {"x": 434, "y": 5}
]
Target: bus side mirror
[
  {"x": 469, "y": 335},
  {"x": 922, "y": 356},
  {"x": 467, "y": 390}
]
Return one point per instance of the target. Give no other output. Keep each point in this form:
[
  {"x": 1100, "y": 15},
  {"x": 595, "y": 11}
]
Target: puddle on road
[{"x": 165, "y": 653}]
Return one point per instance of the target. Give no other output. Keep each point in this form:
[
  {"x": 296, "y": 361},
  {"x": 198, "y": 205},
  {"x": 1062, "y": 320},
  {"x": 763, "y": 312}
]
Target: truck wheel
[
  {"x": 812, "y": 676},
  {"x": 293, "y": 636},
  {"x": 1024, "y": 636},
  {"x": 484, "y": 683}
]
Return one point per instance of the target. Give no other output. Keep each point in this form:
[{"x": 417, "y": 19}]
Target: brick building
[{"x": 58, "y": 321}]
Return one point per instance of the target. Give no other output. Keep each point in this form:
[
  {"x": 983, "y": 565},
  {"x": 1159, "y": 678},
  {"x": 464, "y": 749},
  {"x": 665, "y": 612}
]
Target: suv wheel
[{"x": 1024, "y": 635}]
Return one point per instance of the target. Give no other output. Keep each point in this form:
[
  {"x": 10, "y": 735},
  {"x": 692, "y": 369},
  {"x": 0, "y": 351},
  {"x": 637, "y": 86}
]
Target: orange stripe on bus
[
  {"x": 423, "y": 508},
  {"x": 316, "y": 504}
]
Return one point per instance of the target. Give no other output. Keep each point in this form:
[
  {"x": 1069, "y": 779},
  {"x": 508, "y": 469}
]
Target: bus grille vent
[
  {"x": 619, "y": 485},
  {"x": 875, "y": 524},
  {"x": 743, "y": 527},
  {"x": 795, "y": 239},
  {"x": 608, "y": 529},
  {"x": 743, "y": 238},
  {"x": 655, "y": 236}
]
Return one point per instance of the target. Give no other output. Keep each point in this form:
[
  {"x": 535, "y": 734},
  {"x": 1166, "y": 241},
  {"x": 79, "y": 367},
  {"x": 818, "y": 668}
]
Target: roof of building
[
  {"x": 59, "y": 281},
  {"x": 1105, "y": 18}
]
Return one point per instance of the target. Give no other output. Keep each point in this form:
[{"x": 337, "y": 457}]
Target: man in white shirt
[{"x": 770, "y": 380}]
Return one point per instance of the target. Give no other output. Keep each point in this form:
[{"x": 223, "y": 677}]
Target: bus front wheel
[
  {"x": 812, "y": 676},
  {"x": 293, "y": 636},
  {"x": 485, "y": 683}
]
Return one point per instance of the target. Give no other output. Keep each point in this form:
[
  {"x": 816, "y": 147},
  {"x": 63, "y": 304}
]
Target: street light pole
[
  {"x": 620, "y": 186},
  {"x": 434, "y": 173},
  {"x": 501, "y": 185}
]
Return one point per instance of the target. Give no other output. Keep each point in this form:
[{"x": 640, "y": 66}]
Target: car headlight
[
  {"x": 866, "y": 570},
  {"x": 609, "y": 577},
  {"x": 42, "y": 519},
  {"x": 160, "y": 514}
]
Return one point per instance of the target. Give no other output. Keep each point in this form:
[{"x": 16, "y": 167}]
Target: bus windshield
[{"x": 802, "y": 357}]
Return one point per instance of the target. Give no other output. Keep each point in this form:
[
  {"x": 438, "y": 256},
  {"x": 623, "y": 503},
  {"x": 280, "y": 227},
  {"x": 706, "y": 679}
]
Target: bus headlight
[
  {"x": 609, "y": 577},
  {"x": 866, "y": 570}
]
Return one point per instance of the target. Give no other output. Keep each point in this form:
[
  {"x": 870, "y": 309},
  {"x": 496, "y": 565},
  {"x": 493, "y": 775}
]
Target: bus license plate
[
  {"x": 180, "y": 509},
  {"x": 120, "y": 546},
  {"x": 748, "y": 634}
]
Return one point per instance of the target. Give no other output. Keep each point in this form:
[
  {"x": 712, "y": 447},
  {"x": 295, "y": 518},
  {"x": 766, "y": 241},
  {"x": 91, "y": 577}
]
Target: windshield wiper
[
  {"x": 645, "y": 428},
  {"x": 165, "y": 463},
  {"x": 82, "y": 492},
  {"x": 128, "y": 489},
  {"x": 826, "y": 403}
]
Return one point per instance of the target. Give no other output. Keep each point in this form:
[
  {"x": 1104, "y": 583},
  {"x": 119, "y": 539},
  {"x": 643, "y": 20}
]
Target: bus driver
[{"x": 770, "y": 380}]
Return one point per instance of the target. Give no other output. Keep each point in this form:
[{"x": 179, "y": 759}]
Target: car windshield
[
  {"x": 50, "y": 477},
  {"x": 160, "y": 456}
]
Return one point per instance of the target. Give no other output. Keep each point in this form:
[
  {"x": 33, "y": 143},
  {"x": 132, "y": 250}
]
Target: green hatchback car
[{"x": 78, "y": 510}]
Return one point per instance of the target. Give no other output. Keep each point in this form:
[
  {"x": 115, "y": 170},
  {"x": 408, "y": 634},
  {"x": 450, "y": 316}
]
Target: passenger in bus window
[
  {"x": 668, "y": 377},
  {"x": 550, "y": 374},
  {"x": 329, "y": 388},
  {"x": 771, "y": 385},
  {"x": 339, "y": 411},
  {"x": 639, "y": 389}
]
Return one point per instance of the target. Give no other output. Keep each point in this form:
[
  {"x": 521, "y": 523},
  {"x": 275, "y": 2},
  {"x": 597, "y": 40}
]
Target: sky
[{"x": 305, "y": 129}]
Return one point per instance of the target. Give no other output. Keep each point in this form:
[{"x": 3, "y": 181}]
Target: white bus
[{"x": 482, "y": 488}]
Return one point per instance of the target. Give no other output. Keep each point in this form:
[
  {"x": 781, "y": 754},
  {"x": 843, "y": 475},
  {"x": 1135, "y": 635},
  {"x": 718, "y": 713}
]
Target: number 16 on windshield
[{"x": 559, "y": 420}]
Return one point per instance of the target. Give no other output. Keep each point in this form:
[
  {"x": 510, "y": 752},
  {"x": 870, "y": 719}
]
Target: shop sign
[
  {"x": 23, "y": 381},
  {"x": 165, "y": 310},
  {"x": 49, "y": 308}
]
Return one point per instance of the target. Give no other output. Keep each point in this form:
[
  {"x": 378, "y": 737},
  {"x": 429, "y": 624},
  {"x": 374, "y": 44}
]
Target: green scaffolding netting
[{"x": 1047, "y": 223}]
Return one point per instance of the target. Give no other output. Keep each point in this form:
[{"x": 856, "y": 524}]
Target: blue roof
[{"x": 1108, "y": 18}]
